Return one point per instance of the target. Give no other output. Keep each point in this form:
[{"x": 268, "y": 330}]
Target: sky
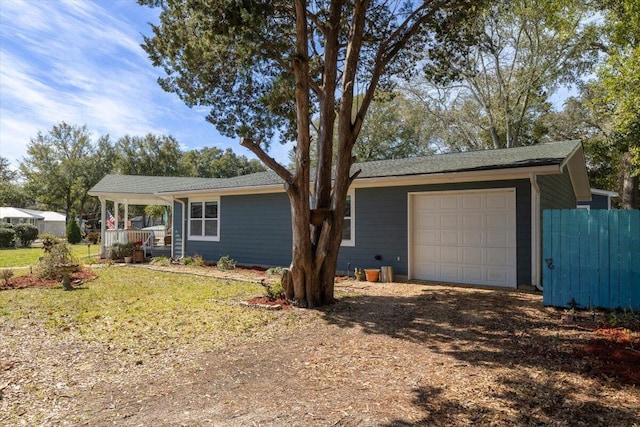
[{"x": 80, "y": 61}]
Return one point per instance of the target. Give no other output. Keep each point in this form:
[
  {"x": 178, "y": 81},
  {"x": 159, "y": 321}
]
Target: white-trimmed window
[
  {"x": 204, "y": 219},
  {"x": 349, "y": 225}
]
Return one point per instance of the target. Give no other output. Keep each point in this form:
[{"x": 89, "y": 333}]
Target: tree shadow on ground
[{"x": 488, "y": 329}]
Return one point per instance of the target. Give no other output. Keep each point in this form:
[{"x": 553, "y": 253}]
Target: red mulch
[
  {"x": 270, "y": 302},
  {"x": 33, "y": 281},
  {"x": 615, "y": 354}
]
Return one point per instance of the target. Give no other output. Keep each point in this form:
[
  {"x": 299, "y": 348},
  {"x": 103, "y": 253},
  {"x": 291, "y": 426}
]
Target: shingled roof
[{"x": 535, "y": 155}]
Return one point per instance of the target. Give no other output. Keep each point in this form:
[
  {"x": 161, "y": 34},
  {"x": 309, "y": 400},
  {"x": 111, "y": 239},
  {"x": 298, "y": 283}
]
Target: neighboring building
[
  {"x": 600, "y": 199},
  {"x": 47, "y": 221},
  {"x": 19, "y": 216},
  {"x": 472, "y": 217}
]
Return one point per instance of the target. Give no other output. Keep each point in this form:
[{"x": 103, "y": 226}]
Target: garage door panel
[
  {"x": 425, "y": 237},
  {"x": 473, "y": 202},
  {"x": 449, "y": 202},
  {"x": 472, "y": 220},
  {"x": 472, "y": 275},
  {"x": 448, "y": 237},
  {"x": 464, "y": 237},
  {"x": 473, "y": 255},
  {"x": 449, "y": 254},
  {"x": 449, "y": 221},
  {"x": 473, "y": 238}
]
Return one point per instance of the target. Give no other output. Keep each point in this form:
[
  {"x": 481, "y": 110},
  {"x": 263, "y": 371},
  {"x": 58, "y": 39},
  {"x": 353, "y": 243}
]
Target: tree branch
[{"x": 269, "y": 161}]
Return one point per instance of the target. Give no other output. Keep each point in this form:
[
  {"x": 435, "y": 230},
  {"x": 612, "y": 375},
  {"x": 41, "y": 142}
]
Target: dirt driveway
[{"x": 385, "y": 355}]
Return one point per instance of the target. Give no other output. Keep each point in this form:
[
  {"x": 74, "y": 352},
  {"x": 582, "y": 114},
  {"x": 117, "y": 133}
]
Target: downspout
[{"x": 535, "y": 232}]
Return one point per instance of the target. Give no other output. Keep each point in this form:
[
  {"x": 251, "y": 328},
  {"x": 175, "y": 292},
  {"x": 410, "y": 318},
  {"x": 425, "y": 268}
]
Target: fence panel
[{"x": 591, "y": 259}]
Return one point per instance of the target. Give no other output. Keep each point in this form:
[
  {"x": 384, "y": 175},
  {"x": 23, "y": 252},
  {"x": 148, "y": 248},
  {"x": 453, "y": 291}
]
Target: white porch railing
[{"x": 147, "y": 238}]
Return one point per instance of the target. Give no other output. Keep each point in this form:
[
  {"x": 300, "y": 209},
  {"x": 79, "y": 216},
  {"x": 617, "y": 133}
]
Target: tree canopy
[{"x": 274, "y": 68}]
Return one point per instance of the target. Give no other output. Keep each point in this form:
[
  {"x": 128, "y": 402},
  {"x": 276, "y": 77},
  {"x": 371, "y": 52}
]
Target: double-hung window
[
  {"x": 348, "y": 226},
  {"x": 204, "y": 219}
]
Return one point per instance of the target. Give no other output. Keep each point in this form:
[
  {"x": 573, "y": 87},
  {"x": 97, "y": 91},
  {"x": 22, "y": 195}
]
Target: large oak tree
[{"x": 273, "y": 68}]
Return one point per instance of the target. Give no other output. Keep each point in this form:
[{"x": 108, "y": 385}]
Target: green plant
[
  {"x": 275, "y": 271},
  {"x": 56, "y": 262},
  {"x": 626, "y": 318},
  {"x": 7, "y": 235},
  {"x": 26, "y": 233},
  {"x": 6, "y": 275},
  {"x": 48, "y": 241},
  {"x": 93, "y": 237},
  {"x": 273, "y": 290},
  {"x": 74, "y": 235},
  {"x": 226, "y": 263},
  {"x": 161, "y": 260},
  {"x": 121, "y": 250}
]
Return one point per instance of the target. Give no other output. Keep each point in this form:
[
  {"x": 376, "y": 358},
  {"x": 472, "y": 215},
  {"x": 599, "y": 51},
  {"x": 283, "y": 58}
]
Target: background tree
[
  {"x": 278, "y": 66},
  {"x": 151, "y": 155},
  {"x": 55, "y": 168},
  {"x": 617, "y": 90},
  {"x": 74, "y": 235},
  {"x": 11, "y": 192},
  {"x": 526, "y": 49},
  {"x": 393, "y": 129},
  {"x": 212, "y": 162}
]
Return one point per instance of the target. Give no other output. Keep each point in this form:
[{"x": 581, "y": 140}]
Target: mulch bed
[
  {"x": 33, "y": 281},
  {"x": 614, "y": 355}
]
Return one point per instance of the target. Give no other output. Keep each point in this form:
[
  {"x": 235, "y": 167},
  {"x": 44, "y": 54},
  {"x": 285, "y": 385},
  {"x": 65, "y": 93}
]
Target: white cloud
[{"x": 81, "y": 62}]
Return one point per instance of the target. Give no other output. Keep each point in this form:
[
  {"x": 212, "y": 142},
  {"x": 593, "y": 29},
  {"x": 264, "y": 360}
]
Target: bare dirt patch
[{"x": 384, "y": 355}]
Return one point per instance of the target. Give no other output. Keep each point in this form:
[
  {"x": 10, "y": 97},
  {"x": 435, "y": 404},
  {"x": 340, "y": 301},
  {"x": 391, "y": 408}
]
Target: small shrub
[
  {"x": 7, "y": 236},
  {"x": 161, "y": 260},
  {"x": 273, "y": 290},
  {"x": 627, "y": 319},
  {"x": 121, "y": 250},
  {"x": 50, "y": 266},
  {"x": 93, "y": 237},
  {"x": 275, "y": 271},
  {"x": 6, "y": 275},
  {"x": 48, "y": 241},
  {"x": 26, "y": 233},
  {"x": 74, "y": 235},
  {"x": 226, "y": 263}
]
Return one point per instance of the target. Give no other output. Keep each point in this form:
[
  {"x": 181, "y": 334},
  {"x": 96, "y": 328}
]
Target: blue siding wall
[
  {"x": 381, "y": 226},
  {"x": 254, "y": 230},
  {"x": 598, "y": 201}
]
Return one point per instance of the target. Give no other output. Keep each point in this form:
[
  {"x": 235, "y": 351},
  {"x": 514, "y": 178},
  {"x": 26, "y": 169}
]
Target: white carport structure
[
  {"x": 17, "y": 216},
  {"x": 123, "y": 196}
]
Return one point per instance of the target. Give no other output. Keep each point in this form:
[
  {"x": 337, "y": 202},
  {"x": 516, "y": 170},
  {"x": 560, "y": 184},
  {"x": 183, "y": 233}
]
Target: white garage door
[{"x": 464, "y": 237}]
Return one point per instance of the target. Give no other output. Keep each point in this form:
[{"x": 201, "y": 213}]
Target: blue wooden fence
[{"x": 591, "y": 259}]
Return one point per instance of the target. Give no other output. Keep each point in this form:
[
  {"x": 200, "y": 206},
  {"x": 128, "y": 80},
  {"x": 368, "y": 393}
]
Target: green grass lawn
[
  {"x": 24, "y": 257},
  {"x": 143, "y": 310}
]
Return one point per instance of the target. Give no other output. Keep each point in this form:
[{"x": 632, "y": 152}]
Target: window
[
  {"x": 348, "y": 227},
  {"x": 204, "y": 220}
]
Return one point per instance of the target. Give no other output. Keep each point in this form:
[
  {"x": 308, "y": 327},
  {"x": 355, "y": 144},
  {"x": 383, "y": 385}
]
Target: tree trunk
[{"x": 630, "y": 184}]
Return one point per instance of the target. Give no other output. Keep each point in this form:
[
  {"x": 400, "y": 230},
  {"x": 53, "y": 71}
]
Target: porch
[{"x": 116, "y": 228}]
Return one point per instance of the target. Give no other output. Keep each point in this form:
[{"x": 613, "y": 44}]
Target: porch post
[
  {"x": 103, "y": 227},
  {"x": 126, "y": 215},
  {"x": 116, "y": 214}
]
